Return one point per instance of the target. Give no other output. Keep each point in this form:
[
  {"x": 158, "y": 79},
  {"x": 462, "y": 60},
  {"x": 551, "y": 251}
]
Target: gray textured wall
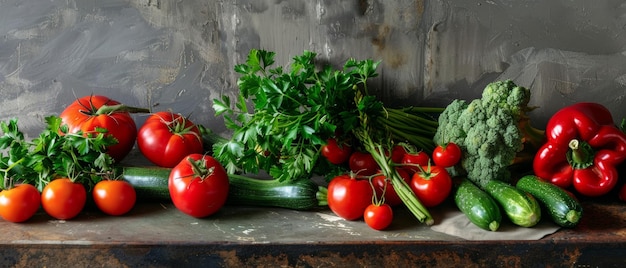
[{"x": 180, "y": 54}]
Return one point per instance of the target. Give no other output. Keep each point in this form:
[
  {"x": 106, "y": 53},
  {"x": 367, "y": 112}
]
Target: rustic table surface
[{"x": 156, "y": 234}]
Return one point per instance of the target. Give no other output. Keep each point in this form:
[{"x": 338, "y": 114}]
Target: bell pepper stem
[{"x": 580, "y": 155}]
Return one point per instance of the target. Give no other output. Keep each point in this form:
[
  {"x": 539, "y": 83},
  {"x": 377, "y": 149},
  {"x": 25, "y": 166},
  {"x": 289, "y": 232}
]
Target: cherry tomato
[
  {"x": 432, "y": 185},
  {"x": 397, "y": 153},
  {"x": 378, "y": 217},
  {"x": 447, "y": 155},
  {"x": 363, "y": 163},
  {"x": 63, "y": 199},
  {"x": 335, "y": 153},
  {"x": 85, "y": 115},
  {"x": 412, "y": 161},
  {"x": 114, "y": 197},
  {"x": 391, "y": 196},
  {"x": 198, "y": 185},
  {"x": 166, "y": 138},
  {"x": 348, "y": 197},
  {"x": 19, "y": 203}
]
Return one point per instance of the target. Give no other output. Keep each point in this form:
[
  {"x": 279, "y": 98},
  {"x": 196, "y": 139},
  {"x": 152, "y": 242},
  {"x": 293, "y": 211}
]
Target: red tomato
[
  {"x": 363, "y": 163},
  {"x": 114, "y": 197},
  {"x": 431, "y": 186},
  {"x": 447, "y": 155},
  {"x": 378, "y": 217},
  {"x": 348, "y": 197},
  {"x": 63, "y": 199},
  {"x": 19, "y": 203},
  {"x": 335, "y": 153},
  {"x": 412, "y": 161},
  {"x": 166, "y": 138},
  {"x": 85, "y": 115},
  {"x": 397, "y": 153},
  {"x": 391, "y": 196},
  {"x": 198, "y": 185}
]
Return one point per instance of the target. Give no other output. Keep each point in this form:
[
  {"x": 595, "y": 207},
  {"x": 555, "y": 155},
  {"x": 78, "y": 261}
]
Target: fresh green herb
[{"x": 54, "y": 153}]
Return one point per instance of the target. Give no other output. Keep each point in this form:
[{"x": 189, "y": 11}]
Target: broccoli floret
[{"x": 492, "y": 131}]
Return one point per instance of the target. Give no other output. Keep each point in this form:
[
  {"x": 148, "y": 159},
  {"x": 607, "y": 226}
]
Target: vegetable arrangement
[{"x": 308, "y": 121}]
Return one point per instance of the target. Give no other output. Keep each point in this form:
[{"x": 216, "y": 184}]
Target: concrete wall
[{"x": 180, "y": 54}]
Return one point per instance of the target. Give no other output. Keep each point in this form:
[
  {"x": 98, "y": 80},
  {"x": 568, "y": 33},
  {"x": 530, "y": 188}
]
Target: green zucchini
[
  {"x": 478, "y": 206},
  {"x": 564, "y": 209},
  {"x": 152, "y": 183},
  {"x": 519, "y": 206}
]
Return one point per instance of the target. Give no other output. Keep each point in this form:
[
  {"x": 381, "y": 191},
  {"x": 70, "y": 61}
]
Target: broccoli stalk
[{"x": 494, "y": 132}]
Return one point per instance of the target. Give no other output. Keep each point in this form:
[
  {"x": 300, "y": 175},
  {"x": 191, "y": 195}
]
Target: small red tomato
[
  {"x": 391, "y": 196},
  {"x": 412, "y": 161},
  {"x": 397, "y": 153},
  {"x": 63, "y": 199},
  {"x": 447, "y": 155},
  {"x": 19, "y": 203},
  {"x": 363, "y": 164},
  {"x": 378, "y": 217},
  {"x": 166, "y": 138},
  {"x": 348, "y": 197},
  {"x": 114, "y": 197},
  {"x": 198, "y": 185},
  {"x": 335, "y": 153},
  {"x": 432, "y": 185}
]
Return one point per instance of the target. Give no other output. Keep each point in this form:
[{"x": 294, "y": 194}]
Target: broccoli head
[{"x": 491, "y": 131}]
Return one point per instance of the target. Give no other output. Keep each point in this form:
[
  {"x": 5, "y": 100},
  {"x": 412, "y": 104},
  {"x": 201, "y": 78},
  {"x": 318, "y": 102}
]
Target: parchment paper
[{"x": 454, "y": 222}]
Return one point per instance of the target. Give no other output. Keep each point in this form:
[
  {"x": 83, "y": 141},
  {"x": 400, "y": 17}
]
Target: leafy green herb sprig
[
  {"x": 290, "y": 115},
  {"x": 78, "y": 156},
  {"x": 281, "y": 118}
]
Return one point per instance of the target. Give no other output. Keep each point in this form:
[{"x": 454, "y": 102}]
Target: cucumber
[
  {"x": 151, "y": 183},
  {"x": 478, "y": 206},
  {"x": 519, "y": 206},
  {"x": 564, "y": 209}
]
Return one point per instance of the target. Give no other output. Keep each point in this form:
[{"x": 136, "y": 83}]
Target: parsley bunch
[{"x": 54, "y": 153}]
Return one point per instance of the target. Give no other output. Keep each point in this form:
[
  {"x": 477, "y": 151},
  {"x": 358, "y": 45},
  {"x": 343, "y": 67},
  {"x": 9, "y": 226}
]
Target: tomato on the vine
[
  {"x": 336, "y": 153},
  {"x": 19, "y": 203},
  {"x": 166, "y": 138},
  {"x": 391, "y": 196},
  {"x": 91, "y": 112},
  {"x": 348, "y": 196},
  {"x": 432, "y": 185},
  {"x": 63, "y": 199},
  {"x": 363, "y": 163},
  {"x": 447, "y": 155},
  {"x": 413, "y": 161},
  {"x": 198, "y": 185},
  {"x": 378, "y": 217},
  {"x": 114, "y": 197}
]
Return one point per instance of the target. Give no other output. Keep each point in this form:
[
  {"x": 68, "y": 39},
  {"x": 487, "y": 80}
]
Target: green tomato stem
[{"x": 109, "y": 109}]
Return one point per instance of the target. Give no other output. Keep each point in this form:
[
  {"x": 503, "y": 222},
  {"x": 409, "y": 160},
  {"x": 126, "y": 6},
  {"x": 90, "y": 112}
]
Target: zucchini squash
[
  {"x": 564, "y": 209},
  {"x": 151, "y": 183},
  {"x": 478, "y": 206},
  {"x": 519, "y": 206}
]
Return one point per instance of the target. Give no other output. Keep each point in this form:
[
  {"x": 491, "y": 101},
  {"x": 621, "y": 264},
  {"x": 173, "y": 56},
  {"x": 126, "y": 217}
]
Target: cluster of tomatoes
[
  {"x": 366, "y": 194},
  {"x": 198, "y": 184}
]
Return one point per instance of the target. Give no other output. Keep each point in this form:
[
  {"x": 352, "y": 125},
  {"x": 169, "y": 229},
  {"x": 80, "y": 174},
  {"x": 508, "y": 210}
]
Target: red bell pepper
[{"x": 583, "y": 149}]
